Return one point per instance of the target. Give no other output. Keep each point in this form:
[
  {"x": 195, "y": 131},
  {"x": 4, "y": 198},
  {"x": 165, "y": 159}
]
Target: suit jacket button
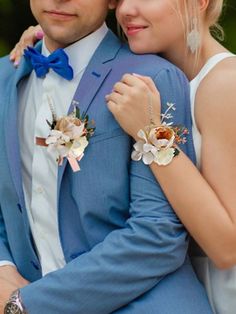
[
  {"x": 73, "y": 256},
  {"x": 19, "y": 207},
  {"x": 36, "y": 266}
]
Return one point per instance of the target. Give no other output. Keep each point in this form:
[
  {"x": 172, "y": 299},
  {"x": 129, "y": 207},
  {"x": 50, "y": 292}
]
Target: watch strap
[{"x": 14, "y": 305}]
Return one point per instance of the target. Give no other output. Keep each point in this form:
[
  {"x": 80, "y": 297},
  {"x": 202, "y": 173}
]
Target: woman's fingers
[
  {"x": 16, "y": 54},
  {"x": 28, "y": 38},
  {"x": 112, "y": 107},
  {"x": 121, "y": 88},
  {"x": 149, "y": 82},
  {"x": 115, "y": 98},
  {"x": 132, "y": 81},
  {"x": 39, "y": 34},
  {"x": 135, "y": 103}
]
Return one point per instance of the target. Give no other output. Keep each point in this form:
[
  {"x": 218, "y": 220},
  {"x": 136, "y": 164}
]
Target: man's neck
[
  {"x": 53, "y": 45},
  {"x": 80, "y": 52}
]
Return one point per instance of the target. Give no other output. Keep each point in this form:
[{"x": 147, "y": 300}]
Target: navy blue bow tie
[{"x": 57, "y": 61}]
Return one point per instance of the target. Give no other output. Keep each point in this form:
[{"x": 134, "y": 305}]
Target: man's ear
[{"x": 112, "y": 4}]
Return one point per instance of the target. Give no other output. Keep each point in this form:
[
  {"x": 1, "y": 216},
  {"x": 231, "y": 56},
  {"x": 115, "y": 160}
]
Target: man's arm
[
  {"x": 10, "y": 279},
  {"x": 129, "y": 261},
  {"x": 5, "y": 254}
]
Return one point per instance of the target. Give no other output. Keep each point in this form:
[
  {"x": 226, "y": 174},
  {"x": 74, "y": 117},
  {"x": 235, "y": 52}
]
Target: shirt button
[{"x": 39, "y": 190}]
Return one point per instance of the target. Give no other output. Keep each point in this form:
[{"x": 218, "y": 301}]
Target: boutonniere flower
[
  {"x": 68, "y": 137},
  {"x": 159, "y": 143}
]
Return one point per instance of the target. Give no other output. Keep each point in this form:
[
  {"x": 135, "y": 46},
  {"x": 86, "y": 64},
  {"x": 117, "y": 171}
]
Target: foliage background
[{"x": 15, "y": 16}]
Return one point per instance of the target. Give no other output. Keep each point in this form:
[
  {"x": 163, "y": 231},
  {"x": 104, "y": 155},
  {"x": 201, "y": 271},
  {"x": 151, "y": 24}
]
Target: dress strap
[{"x": 210, "y": 64}]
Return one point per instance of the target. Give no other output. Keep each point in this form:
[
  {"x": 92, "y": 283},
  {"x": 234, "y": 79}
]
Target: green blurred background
[{"x": 15, "y": 17}]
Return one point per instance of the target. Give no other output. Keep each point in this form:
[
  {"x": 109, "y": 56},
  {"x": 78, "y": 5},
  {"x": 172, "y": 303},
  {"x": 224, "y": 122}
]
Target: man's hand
[
  {"x": 10, "y": 280},
  {"x": 11, "y": 275}
]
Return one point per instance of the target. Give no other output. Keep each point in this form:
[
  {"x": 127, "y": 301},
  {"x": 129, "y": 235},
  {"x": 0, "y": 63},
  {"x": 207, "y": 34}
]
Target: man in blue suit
[{"x": 104, "y": 239}]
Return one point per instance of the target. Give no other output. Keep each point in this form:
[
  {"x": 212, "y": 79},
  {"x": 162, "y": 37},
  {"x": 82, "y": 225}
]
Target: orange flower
[{"x": 162, "y": 137}]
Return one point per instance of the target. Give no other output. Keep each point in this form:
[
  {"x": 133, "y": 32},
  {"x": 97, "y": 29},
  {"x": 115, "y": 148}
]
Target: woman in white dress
[{"x": 205, "y": 201}]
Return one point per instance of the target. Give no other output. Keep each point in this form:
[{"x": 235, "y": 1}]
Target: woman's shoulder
[
  {"x": 220, "y": 80},
  {"x": 216, "y": 95},
  {"x": 222, "y": 75}
]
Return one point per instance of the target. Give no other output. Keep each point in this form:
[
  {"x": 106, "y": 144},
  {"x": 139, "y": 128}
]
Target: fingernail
[
  {"x": 16, "y": 63},
  {"x": 135, "y": 74},
  {"x": 39, "y": 34}
]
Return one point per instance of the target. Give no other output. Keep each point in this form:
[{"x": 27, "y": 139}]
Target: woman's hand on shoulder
[
  {"x": 28, "y": 38},
  {"x": 135, "y": 102}
]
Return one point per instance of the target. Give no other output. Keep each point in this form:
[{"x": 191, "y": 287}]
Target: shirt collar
[{"x": 81, "y": 52}]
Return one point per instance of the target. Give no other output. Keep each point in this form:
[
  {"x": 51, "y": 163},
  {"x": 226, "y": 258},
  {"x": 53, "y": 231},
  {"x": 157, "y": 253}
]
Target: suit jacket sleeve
[
  {"x": 131, "y": 260},
  {"x": 4, "y": 247}
]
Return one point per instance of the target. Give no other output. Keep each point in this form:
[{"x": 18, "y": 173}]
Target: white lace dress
[{"x": 220, "y": 284}]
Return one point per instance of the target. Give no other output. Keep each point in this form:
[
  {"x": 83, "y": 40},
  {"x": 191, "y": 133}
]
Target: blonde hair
[
  {"x": 213, "y": 14},
  {"x": 189, "y": 14}
]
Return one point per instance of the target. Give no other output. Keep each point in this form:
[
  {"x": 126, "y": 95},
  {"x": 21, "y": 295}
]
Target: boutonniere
[
  {"x": 69, "y": 136},
  {"x": 159, "y": 143}
]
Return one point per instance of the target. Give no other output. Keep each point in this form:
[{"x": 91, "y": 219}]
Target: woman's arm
[{"x": 205, "y": 204}]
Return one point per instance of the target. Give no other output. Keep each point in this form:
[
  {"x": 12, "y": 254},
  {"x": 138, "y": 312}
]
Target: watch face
[{"x": 12, "y": 308}]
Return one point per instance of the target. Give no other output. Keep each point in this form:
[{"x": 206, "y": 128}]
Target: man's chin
[{"x": 55, "y": 42}]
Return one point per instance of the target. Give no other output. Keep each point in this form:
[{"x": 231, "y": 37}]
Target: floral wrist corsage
[{"x": 159, "y": 143}]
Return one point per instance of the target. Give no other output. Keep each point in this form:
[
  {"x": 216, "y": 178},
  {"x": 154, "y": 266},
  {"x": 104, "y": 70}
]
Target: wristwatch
[{"x": 14, "y": 304}]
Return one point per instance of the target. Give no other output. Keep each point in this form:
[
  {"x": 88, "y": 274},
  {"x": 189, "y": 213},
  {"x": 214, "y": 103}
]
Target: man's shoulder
[
  {"x": 7, "y": 68},
  {"x": 124, "y": 60},
  {"x": 151, "y": 64}
]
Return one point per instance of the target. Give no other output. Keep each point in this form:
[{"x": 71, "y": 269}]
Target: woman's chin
[{"x": 140, "y": 48}]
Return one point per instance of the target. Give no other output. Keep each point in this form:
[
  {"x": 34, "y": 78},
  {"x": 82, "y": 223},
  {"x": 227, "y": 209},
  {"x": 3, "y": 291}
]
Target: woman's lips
[{"x": 134, "y": 29}]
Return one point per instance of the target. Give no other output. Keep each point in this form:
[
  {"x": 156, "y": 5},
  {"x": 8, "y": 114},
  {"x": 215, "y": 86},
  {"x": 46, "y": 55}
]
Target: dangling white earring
[{"x": 193, "y": 38}]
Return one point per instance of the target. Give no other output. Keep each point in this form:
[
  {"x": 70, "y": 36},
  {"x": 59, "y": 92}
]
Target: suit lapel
[
  {"x": 11, "y": 130},
  {"x": 96, "y": 73}
]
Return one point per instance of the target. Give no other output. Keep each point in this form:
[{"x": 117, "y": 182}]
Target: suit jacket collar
[
  {"x": 11, "y": 128},
  {"x": 97, "y": 70}
]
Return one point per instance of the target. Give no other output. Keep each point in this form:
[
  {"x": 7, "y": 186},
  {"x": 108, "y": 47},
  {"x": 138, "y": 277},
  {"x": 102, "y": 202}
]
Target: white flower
[
  {"x": 78, "y": 147},
  {"x": 148, "y": 158},
  {"x": 56, "y": 137},
  {"x": 61, "y": 149},
  {"x": 137, "y": 154},
  {"x": 143, "y": 151},
  {"x": 164, "y": 156}
]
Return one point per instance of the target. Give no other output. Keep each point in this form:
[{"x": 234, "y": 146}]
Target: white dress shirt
[{"x": 39, "y": 167}]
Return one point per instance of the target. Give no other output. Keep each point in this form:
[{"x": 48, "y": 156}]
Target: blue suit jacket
[{"x": 124, "y": 246}]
